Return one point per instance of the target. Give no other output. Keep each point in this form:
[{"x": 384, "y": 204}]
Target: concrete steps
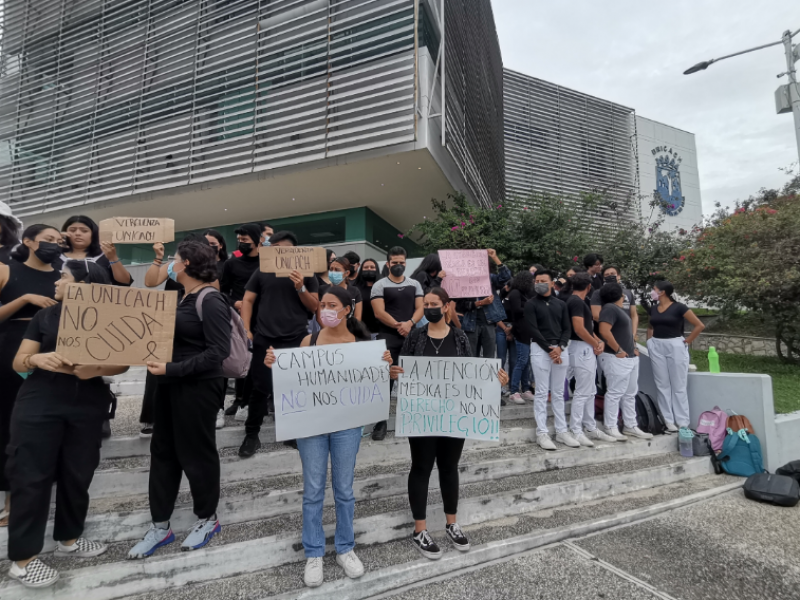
[{"x": 512, "y": 481}]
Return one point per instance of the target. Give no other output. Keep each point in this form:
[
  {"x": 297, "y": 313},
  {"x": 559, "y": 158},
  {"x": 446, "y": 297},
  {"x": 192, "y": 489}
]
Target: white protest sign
[
  {"x": 323, "y": 389},
  {"x": 451, "y": 397}
]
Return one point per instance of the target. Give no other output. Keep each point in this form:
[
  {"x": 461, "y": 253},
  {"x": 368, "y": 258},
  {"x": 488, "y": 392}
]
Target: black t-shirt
[
  {"x": 515, "y": 309},
  {"x": 621, "y": 328},
  {"x": 43, "y": 328},
  {"x": 670, "y": 323},
  {"x": 199, "y": 347},
  {"x": 22, "y": 280},
  {"x": 367, "y": 314},
  {"x": 100, "y": 260},
  {"x": 399, "y": 299},
  {"x": 236, "y": 274},
  {"x": 579, "y": 308},
  {"x": 445, "y": 346},
  {"x": 281, "y": 313},
  {"x": 174, "y": 286},
  {"x": 5, "y": 254}
]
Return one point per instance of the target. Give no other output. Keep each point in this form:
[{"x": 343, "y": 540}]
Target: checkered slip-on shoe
[
  {"x": 36, "y": 574},
  {"x": 82, "y": 548}
]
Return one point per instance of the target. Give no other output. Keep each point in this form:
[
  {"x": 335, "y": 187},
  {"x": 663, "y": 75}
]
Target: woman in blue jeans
[
  {"x": 521, "y": 291},
  {"x": 339, "y": 326}
]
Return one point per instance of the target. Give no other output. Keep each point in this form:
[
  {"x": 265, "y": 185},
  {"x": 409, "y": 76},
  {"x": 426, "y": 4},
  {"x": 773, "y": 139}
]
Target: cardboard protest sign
[
  {"x": 137, "y": 230},
  {"x": 282, "y": 260},
  {"x": 112, "y": 325},
  {"x": 451, "y": 397},
  {"x": 467, "y": 273},
  {"x": 323, "y": 389}
]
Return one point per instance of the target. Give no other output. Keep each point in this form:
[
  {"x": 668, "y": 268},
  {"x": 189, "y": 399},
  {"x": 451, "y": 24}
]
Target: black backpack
[
  {"x": 791, "y": 469},
  {"x": 648, "y": 416},
  {"x": 772, "y": 489}
]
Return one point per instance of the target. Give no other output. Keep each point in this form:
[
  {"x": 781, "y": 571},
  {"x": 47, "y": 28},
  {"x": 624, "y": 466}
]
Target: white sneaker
[
  {"x": 352, "y": 565},
  {"x": 516, "y": 398},
  {"x": 220, "y": 419},
  {"x": 583, "y": 440},
  {"x": 600, "y": 436},
  {"x": 567, "y": 439},
  {"x": 313, "y": 576},
  {"x": 241, "y": 414},
  {"x": 544, "y": 441},
  {"x": 614, "y": 433},
  {"x": 671, "y": 427},
  {"x": 636, "y": 432},
  {"x": 529, "y": 396},
  {"x": 36, "y": 574}
]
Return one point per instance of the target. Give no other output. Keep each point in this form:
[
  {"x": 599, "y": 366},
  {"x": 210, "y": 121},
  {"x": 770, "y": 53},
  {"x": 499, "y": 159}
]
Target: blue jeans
[
  {"x": 522, "y": 368},
  {"x": 505, "y": 349},
  {"x": 342, "y": 446}
]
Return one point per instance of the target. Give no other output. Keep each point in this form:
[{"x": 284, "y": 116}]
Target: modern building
[
  {"x": 563, "y": 142},
  {"x": 331, "y": 116}
]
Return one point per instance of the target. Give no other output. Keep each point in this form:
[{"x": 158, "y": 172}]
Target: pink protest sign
[{"x": 467, "y": 273}]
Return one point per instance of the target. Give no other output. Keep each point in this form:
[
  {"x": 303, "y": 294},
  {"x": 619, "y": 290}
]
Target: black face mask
[
  {"x": 369, "y": 275},
  {"x": 610, "y": 279},
  {"x": 434, "y": 315},
  {"x": 245, "y": 248},
  {"x": 47, "y": 252},
  {"x": 398, "y": 270}
]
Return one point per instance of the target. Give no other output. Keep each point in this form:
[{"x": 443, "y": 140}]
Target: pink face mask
[
  {"x": 329, "y": 317},
  {"x": 654, "y": 296}
]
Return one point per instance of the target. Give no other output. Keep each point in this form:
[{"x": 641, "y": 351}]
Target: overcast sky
[{"x": 635, "y": 52}]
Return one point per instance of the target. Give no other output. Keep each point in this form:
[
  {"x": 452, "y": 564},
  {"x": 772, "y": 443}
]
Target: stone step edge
[
  {"x": 232, "y": 437},
  {"x": 128, "y": 578},
  {"x": 132, "y": 524},
  {"x": 391, "y": 581}
]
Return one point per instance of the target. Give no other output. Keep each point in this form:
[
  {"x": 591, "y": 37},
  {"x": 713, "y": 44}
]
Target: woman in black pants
[
  {"x": 27, "y": 285},
  {"x": 436, "y": 339},
  {"x": 186, "y": 403},
  {"x": 56, "y": 428}
]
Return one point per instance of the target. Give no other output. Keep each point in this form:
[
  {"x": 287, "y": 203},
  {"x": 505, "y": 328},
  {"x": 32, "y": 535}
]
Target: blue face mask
[
  {"x": 171, "y": 272},
  {"x": 336, "y": 277},
  {"x": 266, "y": 243}
]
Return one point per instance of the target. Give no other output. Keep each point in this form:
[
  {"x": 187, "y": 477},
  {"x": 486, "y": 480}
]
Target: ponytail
[
  {"x": 666, "y": 287},
  {"x": 21, "y": 252}
]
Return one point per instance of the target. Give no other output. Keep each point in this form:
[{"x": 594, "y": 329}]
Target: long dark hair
[
  {"x": 430, "y": 263},
  {"x": 523, "y": 282},
  {"x": 9, "y": 231},
  {"x": 85, "y": 271},
  {"x": 666, "y": 287},
  {"x": 360, "y": 278},
  {"x": 223, "y": 248},
  {"x": 354, "y": 326},
  {"x": 22, "y": 252},
  {"x": 94, "y": 248}
]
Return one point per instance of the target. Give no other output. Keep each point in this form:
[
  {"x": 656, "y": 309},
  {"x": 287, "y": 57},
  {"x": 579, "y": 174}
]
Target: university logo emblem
[{"x": 668, "y": 181}]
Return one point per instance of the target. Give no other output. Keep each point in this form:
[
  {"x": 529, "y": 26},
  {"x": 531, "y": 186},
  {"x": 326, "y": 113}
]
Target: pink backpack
[
  {"x": 237, "y": 364},
  {"x": 714, "y": 423}
]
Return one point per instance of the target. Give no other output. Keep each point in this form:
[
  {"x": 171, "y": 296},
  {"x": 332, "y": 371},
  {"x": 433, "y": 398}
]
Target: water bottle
[
  {"x": 685, "y": 436},
  {"x": 713, "y": 360}
]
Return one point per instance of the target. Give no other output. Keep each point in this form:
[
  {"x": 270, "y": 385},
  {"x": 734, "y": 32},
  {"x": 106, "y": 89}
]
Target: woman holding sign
[
  {"x": 55, "y": 438},
  {"x": 339, "y": 326},
  {"x": 83, "y": 241},
  {"x": 26, "y": 287},
  {"x": 436, "y": 339}
]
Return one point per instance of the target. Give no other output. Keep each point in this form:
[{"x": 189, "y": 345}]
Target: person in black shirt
[
  {"x": 612, "y": 275},
  {"x": 620, "y": 361},
  {"x": 285, "y": 304},
  {"x": 217, "y": 242},
  {"x": 355, "y": 262},
  {"x": 594, "y": 266},
  {"x": 549, "y": 324},
  {"x": 9, "y": 232},
  {"x": 337, "y": 274},
  {"x": 521, "y": 292},
  {"x": 186, "y": 404},
  {"x": 367, "y": 276},
  {"x": 429, "y": 272},
  {"x": 669, "y": 353},
  {"x": 56, "y": 432},
  {"x": 235, "y": 276},
  {"x": 83, "y": 243},
  {"x": 27, "y": 284},
  {"x": 584, "y": 347},
  {"x": 397, "y": 302},
  {"x": 436, "y": 339}
]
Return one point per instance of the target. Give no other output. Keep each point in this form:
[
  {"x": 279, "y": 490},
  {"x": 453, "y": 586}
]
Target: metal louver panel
[
  {"x": 102, "y": 99},
  {"x": 563, "y": 142}
]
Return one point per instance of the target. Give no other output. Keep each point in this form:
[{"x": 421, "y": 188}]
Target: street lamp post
[{"x": 787, "y": 96}]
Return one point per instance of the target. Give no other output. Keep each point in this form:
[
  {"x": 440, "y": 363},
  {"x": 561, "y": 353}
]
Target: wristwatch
[{"x": 302, "y": 290}]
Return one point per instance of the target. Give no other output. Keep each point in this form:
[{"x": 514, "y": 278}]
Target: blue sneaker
[
  {"x": 201, "y": 534},
  {"x": 154, "y": 539}
]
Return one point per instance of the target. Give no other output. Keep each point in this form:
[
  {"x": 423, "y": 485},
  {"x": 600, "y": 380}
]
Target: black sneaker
[
  {"x": 457, "y": 536},
  {"x": 250, "y": 446},
  {"x": 231, "y": 410},
  {"x": 147, "y": 431},
  {"x": 379, "y": 431},
  {"x": 427, "y": 547}
]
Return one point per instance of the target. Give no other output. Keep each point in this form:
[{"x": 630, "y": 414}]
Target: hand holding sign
[
  {"x": 284, "y": 260},
  {"x": 467, "y": 273},
  {"x": 130, "y": 230}
]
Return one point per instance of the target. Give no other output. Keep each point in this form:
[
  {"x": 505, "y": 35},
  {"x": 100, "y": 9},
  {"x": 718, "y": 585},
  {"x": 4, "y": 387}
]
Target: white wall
[{"x": 656, "y": 140}]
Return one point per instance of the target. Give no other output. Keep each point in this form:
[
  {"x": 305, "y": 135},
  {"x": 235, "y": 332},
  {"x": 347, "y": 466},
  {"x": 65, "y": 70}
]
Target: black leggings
[{"x": 446, "y": 452}]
